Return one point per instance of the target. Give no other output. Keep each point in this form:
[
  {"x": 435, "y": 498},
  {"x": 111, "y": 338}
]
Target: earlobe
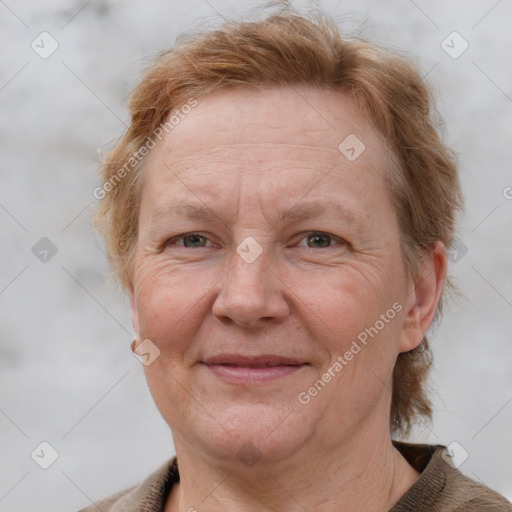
[
  {"x": 424, "y": 298},
  {"x": 135, "y": 316}
]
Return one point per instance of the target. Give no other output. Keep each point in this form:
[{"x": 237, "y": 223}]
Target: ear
[
  {"x": 133, "y": 305},
  {"x": 423, "y": 298}
]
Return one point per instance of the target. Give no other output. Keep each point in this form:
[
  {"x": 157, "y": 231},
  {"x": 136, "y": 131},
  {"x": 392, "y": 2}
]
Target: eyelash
[{"x": 306, "y": 235}]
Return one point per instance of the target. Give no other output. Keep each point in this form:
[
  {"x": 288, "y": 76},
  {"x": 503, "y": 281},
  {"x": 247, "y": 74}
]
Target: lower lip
[{"x": 248, "y": 375}]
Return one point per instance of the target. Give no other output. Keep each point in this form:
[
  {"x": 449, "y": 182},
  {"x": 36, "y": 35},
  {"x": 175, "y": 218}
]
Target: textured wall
[{"x": 67, "y": 375}]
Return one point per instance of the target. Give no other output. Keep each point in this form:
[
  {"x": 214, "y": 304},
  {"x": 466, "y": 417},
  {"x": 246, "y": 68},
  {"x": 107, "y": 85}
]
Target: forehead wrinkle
[
  {"x": 196, "y": 165},
  {"x": 186, "y": 202},
  {"x": 209, "y": 153},
  {"x": 300, "y": 210},
  {"x": 217, "y": 151},
  {"x": 295, "y": 213}
]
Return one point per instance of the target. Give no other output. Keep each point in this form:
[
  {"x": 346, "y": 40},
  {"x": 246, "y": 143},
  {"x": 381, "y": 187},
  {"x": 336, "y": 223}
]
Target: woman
[{"x": 278, "y": 212}]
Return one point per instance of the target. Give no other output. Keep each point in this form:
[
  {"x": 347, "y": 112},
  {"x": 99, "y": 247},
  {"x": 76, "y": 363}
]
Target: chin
[{"x": 250, "y": 433}]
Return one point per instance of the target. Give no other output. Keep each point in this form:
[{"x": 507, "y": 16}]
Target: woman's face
[{"x": 269, "y": 274}]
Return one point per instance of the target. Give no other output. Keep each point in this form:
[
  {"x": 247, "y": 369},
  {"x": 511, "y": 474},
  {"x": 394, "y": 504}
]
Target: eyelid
[
  {"x": 302, "y": 235},
  {"x": 333, "y": 237},
  {"x": 171, "y": 241}
]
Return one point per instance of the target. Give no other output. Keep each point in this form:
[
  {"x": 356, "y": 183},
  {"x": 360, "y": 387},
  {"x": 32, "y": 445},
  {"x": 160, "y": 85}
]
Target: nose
[{"x": 251, "y": 294}]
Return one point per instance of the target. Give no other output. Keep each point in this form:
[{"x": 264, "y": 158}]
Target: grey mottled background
[{"x": 67, "y": 375}]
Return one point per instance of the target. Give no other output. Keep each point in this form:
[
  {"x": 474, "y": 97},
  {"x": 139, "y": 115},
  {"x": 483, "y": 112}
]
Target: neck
[{"x": 362, "y": 475}]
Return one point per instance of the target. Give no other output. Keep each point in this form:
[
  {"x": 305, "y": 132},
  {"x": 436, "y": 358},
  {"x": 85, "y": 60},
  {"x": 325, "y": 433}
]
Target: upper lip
[{"x": 252, "y": 361}]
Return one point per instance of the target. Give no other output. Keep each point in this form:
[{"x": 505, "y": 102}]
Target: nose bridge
[{"x": 250, "y": 291}]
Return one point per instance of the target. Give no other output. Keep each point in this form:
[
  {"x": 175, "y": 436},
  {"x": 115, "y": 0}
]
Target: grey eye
[
  {"x": 319, "y": 240},
  {"x": 194, "y": 240}
]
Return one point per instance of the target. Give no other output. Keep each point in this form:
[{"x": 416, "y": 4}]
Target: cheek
[
  {"x": 343, "y": 313},
  {"x": 168, "y": 301},
  {"x": 355, "y": 313},
  {"x": 170, "y": 304},
  {"x": 344, "y": 300}
]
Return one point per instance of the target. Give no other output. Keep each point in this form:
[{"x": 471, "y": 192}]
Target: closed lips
[
  {"x": 252, "y": 370},
  {"x": 263, "y": 361}
]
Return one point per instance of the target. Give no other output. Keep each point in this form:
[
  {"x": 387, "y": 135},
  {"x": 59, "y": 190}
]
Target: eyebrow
[
  {"x": 314, "y": 209},
  {"x": 299, "y": 212},
  {"x": 182, "y": 210}
]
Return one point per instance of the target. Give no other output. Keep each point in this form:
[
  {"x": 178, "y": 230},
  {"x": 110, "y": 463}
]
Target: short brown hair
[{"x": 287, "y": 49}]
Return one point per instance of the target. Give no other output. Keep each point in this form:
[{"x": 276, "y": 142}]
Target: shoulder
[
  {"x": 468, "y": 496},
  {"x": 107, "y": 504},
  {"x": 442, "y": 487},
  {"x": 150, "y": 495}
]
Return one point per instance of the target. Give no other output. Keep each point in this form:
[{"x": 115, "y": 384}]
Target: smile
[{"x": 251, "y": 370}]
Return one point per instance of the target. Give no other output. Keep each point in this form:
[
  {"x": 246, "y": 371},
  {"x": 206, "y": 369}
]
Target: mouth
[{"x": 252, "y": 369}]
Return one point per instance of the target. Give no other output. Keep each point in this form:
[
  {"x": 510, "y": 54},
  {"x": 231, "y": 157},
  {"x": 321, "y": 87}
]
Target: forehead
[
  {"x": 265, "y": 140},
  {"x": 316, "y": 118}
]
